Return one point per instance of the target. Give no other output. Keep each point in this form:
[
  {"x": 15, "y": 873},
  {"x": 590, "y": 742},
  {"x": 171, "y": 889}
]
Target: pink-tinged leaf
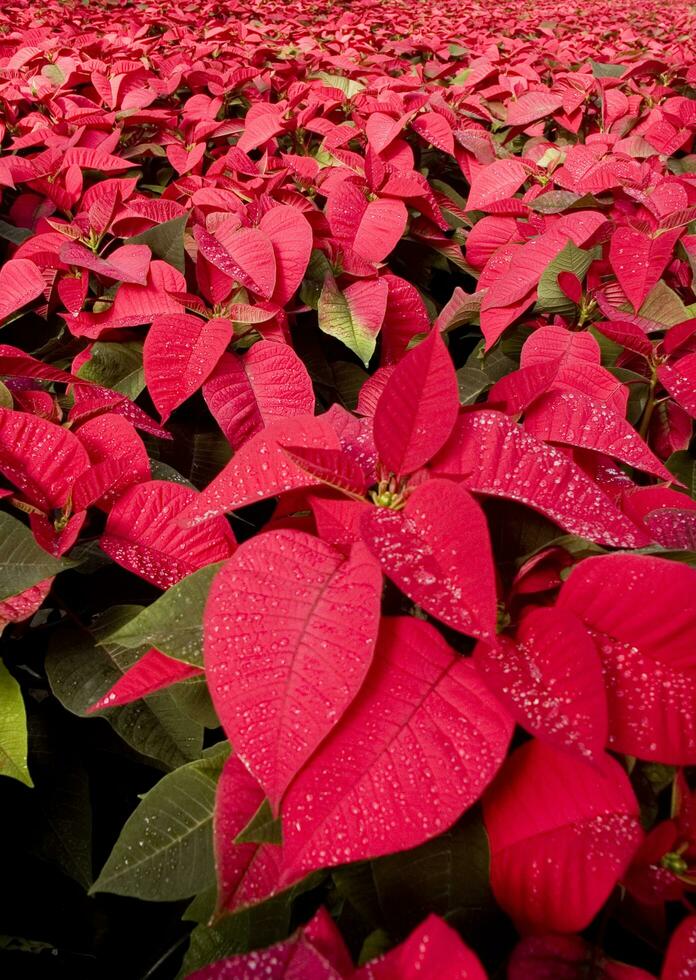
[
  {"x": 20, "y": 283},
  {"x": 437, "y": 550},
  {"x": 566, "y": 958},
  {"x": 679, "y": 378},
  {"x": 496, "y": 182},
  {"x": 370, "y": 228},
  {"x": 291, "y": 236},
  {"x": 249, "y": 392},
  {"x": 641, "y": 612},
  {"x": 639, "y": 260},
  {"x": 494, "y": 456},
  {"x": 573, "y": 419},
  {"x": 144, "y": 535},
  {"x": 354, "y": 315},
  {"x": 40, "y": 458},
  {"x": 415, "y": 749},
  {"x": 129, "y": 263},
  {"x": 550, "y": 678},
  {"x": 290, "y": 629},
  {"x": 152, "y": 672},
  {"x": 17, "y": 608},
  {"x": 433, "y": 951},
  {"x": 247, "y": 257},
  {"x": 245, "y": 872},
  {"x": 461, "y": 308},
  {"x": 680, "y": 961},
  {"x": 552, "y": 819},
  {"x": 179, "y": 353},
  {"x": 262, "y": 468},
  {"x": 293, "y": 959},
  {"x": 333, "y": 467},
  {"x": 532, "y": 106},
  {"x": 356, "y": 437},
  {"x": 418, "y": 407}
]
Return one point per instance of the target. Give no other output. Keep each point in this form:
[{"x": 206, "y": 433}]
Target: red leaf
[
  {"x": 566, "y": 958},
  {"x": 433, "y": 951},
  {"x": 639, "y": 260},
  {"x": 291, "y": 236},
  {"x": 143, "y": 534},
  {"x": 496, "y": 182},
  {"x": 112, "y": 439},
  {"x": 532, "y": 106},
  {"x": 248, "y": 393},
  {"x": 150, "y": 673},
  {"x": 262, "y": 468},
  {"x": 290, "y": 627},
  {"x": 418, "y": 407},
  {"x": 413, "y": 751},
  {"x": 372, "y": 229},
  {"x": 574, "y": 419},
  {"x": 641, "y": 611},
  {"x": 680, "y": 960},
  {"x": 293, "y": 959},
  {"x": 495, "y": 456},
  {"x": 437, "y": 550},
  {"x": 332, "y": 466},
  {"x": 245, "y": 872},
  {"x": 247, "y": 256},
  {"x": 552, "y": 819},
  {"x": 405, "y": 317},
  {"x": 550, "y": 678},
  {"x": 40, "y": 458},
  {"x": 679, "y": 378},
  {"x": 178, "y": 355},
  {"x": 20, "y": 283}
]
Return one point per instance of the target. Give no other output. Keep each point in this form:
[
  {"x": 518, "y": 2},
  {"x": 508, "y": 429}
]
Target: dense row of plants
[{"x": 348, "y": 512}]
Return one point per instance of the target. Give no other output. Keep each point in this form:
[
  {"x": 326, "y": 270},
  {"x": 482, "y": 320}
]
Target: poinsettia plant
[{"x": 348, "y": 489}]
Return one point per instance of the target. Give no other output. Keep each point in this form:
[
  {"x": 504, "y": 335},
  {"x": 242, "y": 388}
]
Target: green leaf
[
  {"x": 5, "y": 396},
  {"x": 602, "y": 69},
  {"x": 12, "y": 234},
  {"x": 315, "y": 276},
  {"x": 174, "y": 621},
  {"x": 262, "y": 828},
  {"x": 550, "y": 296},
  {"x": 22, "y": 562},
  {"x": 447, "y": 873},
  {"x": 471, "y": 381},
  {"x": 165, "y": 850},
  {"x": 348, "y": 86},
  {"x": 252, "y": 928},
  {"x": 683, "y": 466},
  {"x": 83, "y": 665},
  {"x": 13, "y": 729},
  {"x": 193, "y": 698},
  {"x": 664, "y": 306},
  {"x": 338, "y": 319},
  {"x": 118, "y": 366},
  {"x": 165, "y": 240},
  {"x": 58, "y": 825}
]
